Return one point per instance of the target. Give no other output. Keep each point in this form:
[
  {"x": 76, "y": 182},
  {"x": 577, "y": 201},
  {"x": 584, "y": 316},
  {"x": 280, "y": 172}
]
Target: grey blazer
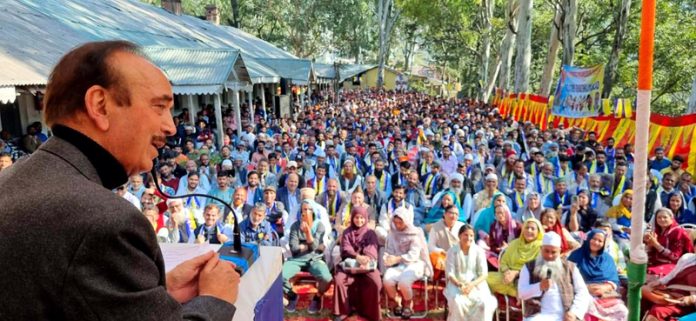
[{"x": 70, "y": 249}]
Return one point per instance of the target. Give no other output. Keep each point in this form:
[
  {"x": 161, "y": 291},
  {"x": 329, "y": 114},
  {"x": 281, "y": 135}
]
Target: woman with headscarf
[
  {"x": 435, "y": 213},
  {"x": 552, "y": 223},
  {"x": 666, "y": 244},
  {"x": 305, "y": 243},
  {"x": 599, "y": 272},
  {"x": 580, "y": 216},
  {"x": 677, "y": 204},
  {"x": 531, "y": 209},
  {"x": 620, "y": 215},
  {"x": 350, "y": 177},
  {"x": 503, "y": 231},
  {"x": 406, "y": 259},
  {"x": 467, "y": 293},
  {"x": 358, "y": 291},
  {"x": 520, "y": 251},
  {"x": 612, "y": 248},
  {"x": 482, "y": 223},
  {"x": 673, "y": 295}
]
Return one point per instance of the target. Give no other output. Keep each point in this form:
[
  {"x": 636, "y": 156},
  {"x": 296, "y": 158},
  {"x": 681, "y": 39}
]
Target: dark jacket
[{"x": 74, "y": 250}]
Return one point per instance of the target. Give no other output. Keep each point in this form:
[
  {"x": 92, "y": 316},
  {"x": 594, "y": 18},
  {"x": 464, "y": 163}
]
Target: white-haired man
[{"x": 554, "y": 290}]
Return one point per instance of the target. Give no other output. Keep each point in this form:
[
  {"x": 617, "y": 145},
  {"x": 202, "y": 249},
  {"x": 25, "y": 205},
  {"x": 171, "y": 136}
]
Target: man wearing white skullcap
[
  {"x": 483, "y": 198},
  {"x": 554, "y": 290}
]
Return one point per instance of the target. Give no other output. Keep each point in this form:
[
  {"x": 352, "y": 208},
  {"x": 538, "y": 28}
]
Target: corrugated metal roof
[
  {"x": 194, "y": 66},
  {"x": 299, "y": 71},
  {"x": 350, "y": 71},
  {"x": 326, "y": 71},
  {"x": 260, "y": 73},
  {"x": 197, "y": 90},
  {"x": 36, "y": 33}
]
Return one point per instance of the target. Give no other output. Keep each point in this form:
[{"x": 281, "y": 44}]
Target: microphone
[
  {"x": 242, "y": 257},
  {"x": 548, "y": 274}
]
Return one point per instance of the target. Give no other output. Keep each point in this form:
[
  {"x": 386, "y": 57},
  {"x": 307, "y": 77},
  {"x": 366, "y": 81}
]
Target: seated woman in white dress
[
  {"x": 406, "y": 259},
  {"x": 467, "y": 292}
]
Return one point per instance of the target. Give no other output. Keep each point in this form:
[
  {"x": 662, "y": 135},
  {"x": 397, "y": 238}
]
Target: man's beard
[
  {"x": 178, "y": 217},
  {"x": 542, "y": 268},
  {"x": 457, "y": 190}
]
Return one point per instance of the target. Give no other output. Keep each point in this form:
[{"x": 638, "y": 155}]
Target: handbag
[{"x": 351, "y": 266}]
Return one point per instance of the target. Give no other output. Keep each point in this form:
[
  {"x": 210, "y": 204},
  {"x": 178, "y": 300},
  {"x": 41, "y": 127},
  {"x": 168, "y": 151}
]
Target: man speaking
[{"x": 70, "y": 248}]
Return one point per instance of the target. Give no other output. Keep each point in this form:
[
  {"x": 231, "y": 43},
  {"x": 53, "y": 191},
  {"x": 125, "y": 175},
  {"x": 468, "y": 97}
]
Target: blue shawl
[{"x": 598, "y": 269}]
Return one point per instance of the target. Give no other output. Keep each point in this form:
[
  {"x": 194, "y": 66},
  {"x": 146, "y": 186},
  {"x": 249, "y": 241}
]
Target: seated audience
[
  {"x": 600, "y": 274},
  {"x": 406, "y": 259},
  {"x": 442, "y": 236},
  {"x": 552, "y": 289},
  {"x": 520, "y": 251},
  {"x": 256, "y": 229},
  {"x": 467, "y": 293},
  {"x": 358, "y": 291},
  {"x": 666, "y": 298},
  {"x": 307, "y": 255},
  {"x": 552, "y": 223},
  {"x": 666, "y": 244}
]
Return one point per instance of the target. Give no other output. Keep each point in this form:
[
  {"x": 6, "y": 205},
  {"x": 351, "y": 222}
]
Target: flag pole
[{"x": 638, "y": 255}]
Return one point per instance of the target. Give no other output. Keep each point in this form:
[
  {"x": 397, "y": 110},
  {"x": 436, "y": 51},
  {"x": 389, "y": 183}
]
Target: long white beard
[
  {"x": 179, "y": 217},
  {"x": 543, "y": 267},
  {"x": 457, "y": 191}
]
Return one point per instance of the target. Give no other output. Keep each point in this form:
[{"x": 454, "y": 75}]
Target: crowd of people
[{"x": 372, "y": 191}]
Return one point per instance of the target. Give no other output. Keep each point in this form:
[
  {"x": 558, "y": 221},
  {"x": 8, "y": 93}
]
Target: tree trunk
[
  {"x": 613, "y": 63},
  {"x": 487, "y": 7},
  {"x": 236, "y": 19},
  {"x": 387, "y": 19},
  {"x": 691, "y": 107},
  {"x": 506, "y": 48},
  {"x": 550, "y": 66},
  {"x": 570, "y": 9},
  {"x": 488, "y": 89},
  {"x": 524, "y": 46}
]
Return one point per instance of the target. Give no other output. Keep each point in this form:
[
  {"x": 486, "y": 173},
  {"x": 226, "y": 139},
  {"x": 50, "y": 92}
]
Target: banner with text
[{"x": 579, "y": 92}]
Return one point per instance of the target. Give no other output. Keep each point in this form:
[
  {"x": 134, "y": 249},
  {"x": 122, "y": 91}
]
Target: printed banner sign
[{"x": 579, "y": 92}]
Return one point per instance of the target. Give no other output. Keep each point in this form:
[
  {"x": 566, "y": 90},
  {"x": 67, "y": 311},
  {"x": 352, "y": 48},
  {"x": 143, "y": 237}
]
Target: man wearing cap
[
  {"x": 291, "y": 168},
  {"x": 659, "y": 162},
  {"x": 552, "y": 289},
  {"x": 275, "y": 211},
  {"x": 483, "y": 198}
]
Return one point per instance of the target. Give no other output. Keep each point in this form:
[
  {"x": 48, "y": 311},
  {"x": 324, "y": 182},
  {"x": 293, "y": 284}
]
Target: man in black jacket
[{"x": 73, "y": 250}]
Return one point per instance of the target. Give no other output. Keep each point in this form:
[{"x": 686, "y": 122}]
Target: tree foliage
[{"x": 449, "y": 35}]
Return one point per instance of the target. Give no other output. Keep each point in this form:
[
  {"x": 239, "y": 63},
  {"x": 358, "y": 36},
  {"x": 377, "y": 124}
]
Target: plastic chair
[
  {"x": 691, "y": 228},
  {"x": 307, "y": 278},
  {"x": 504, "y": 300}
]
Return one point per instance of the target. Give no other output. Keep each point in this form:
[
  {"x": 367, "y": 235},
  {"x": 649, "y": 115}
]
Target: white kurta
[
  {"x": 551, "y": 304},
  {"x": 480, "y": 304}
]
